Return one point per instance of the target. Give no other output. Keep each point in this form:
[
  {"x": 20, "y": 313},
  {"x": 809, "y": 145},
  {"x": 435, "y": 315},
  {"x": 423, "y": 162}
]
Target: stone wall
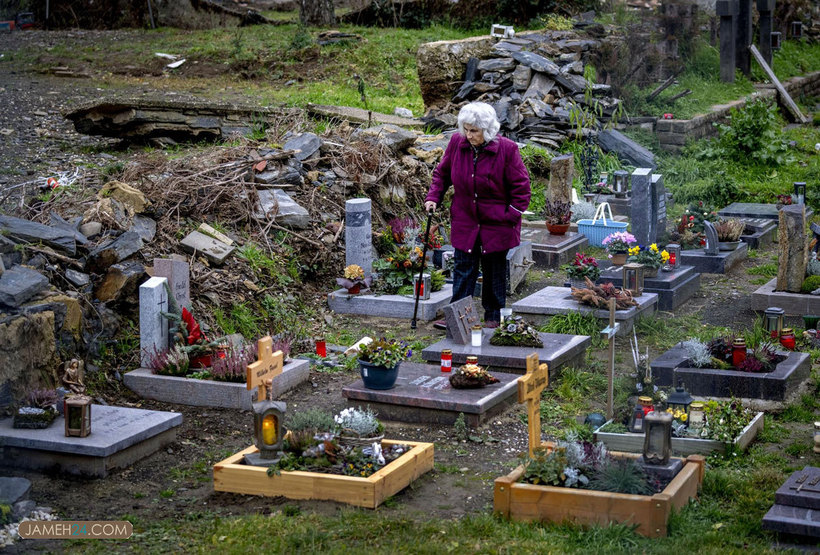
[{"x": 674, "y": 134}]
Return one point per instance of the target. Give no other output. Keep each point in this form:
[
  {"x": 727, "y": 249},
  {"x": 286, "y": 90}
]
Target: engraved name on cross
[{"x": 530, "y": 387}]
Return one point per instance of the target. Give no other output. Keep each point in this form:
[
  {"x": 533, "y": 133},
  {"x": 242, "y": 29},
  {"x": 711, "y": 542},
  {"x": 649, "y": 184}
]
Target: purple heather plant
[
  {"x": 41, "y": 398},
  {"x": 751, "y": 364},
  {"x": 233, "y": 368}
]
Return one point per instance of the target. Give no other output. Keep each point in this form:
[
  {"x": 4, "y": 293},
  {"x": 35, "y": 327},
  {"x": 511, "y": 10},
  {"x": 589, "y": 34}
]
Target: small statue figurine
[{"x": 73, "y": 376}]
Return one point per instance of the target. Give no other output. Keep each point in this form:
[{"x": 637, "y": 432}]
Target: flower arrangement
[
  {"x": 599, "y": 295},
  {"x": 729, "y": 230},
  {"x": 357, "y": 422},
  {"x": 724, "y": 420},
  {"x": 697, "y": 213},
  {"x": 354, "y": 276},
  {"x": 385, "y": 352},
  {"x": 471, "y": 376},
  {"x": 785, "y": 200},
  {"x": 39, "y": 411},
  {"x": 516, "y": 333},
  {"x": 618, "y": 242},
  {"x": 557, "y": 212},
  {"x": 650, "y": 257},
  {"x": 717, "y": 353},
  {"x": 582, "y": 267},
  {"x": 602, "y": 188}
]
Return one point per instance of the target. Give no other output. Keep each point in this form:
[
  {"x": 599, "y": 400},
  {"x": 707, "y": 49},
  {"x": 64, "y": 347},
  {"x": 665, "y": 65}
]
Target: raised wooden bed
[
  {"x": 633, "y": 443},
  {"x": 527, "y": 502},
  {"x": 232, "y": 476}
]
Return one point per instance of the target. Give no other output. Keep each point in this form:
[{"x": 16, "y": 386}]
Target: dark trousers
[{"x": 494, "y": 273}]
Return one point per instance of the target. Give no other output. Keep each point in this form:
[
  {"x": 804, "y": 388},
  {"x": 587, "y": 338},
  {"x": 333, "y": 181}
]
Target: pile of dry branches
[{"x": 599, "y": 295}]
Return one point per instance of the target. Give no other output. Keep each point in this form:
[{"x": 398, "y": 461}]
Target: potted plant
[
  {"x": 652, "y": 258},
  {"x": 39, "y": 411},
  {"x": 379, "y": 362},
  {"x": 557, "y": 216},
  {"x": 617, "y": 246},
  {"x": 471, "y": 376},
  {"x": 354, "y": 279},
  {"x": 516, "y": 333},
  {"x": 582, "y": 267},
  {"x": 358, "y": 428},
  {"x": 728, "y": 233}
]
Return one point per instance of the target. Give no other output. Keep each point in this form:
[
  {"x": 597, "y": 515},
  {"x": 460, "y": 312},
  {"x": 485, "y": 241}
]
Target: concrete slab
[
  {"x": 754, "y": 210},
  {"x": 558, "y": 350},
  {"x": 389, "y": 306},
  {"x": 793, "y": 520},
  {"x": 119, "y": 437},
  {"x": 795, "y": 304},
  {"x": 215, "y": 251},
  {"x": 551, "y": 300},
  {"x": 673, "y": 288},
  {"x": 423, "y": 394},
  {"x": 551, "y": 251},
  {"x": 209, "y": 393},
  {"x": 719, "y": 263}
]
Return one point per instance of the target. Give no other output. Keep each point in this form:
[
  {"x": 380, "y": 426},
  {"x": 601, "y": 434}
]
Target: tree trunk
[{"x": 316, "y": 12}]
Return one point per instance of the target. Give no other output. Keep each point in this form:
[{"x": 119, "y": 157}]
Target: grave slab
[
  {"x": 389, "y": 306},
  {"x": 792, "y": 520},
  {"x": 423, "y": 394},
  {"x": 673, "y": 288},
  {"x": 558, "y": 350},
  {"x": 802, "y": 489},
  {"x": 552, "y": 300},
  {"x": 215, "y": 251},
  {"x": 759, "y": 232},
  {"x": 778, "y": 385},
  {"x": 719, "y": 263},
  {"x": 210, "y": 393},
  {"x": 119, "y": 437},
  {"x": 552, "y": 251},
  {"x": 795, "y": 304},
  {"x": 754, "y": 210}
]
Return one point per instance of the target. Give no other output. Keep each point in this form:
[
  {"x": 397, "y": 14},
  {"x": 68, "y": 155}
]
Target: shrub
[
  {"x": 362, "y": 423},
  {"x": 813, "y": 269},
  {"x": 582, "y": 211},
  {"x": 752, "y": 134},
  {"x": 312, "y": 419},
  {"x": 41, "y": 398},
  {"x": 810, "y": 284}
]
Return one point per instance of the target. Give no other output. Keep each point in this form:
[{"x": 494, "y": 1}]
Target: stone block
[
  {"x": 423, "y": 394},
  {"x": 562, "y": 169},
  {"x": 120, "y": 281},
  {"x": 558, "y": 350},
  {"x": 521, "y": 77},
  {"x": 496, "y": 64},
  {"x": 797, "y": 521},
  {"x": 19, "y": 284},
  {"x": 276, "y": 204},
  {"x": 145, "y": 227},
  {"x": 307, "y": 144},
  {"x": 719, "y": 263},
  {"x": 755, "y": 210},
  {"x": 13, "y": 490},
  {"x": 210, "y": 393},
  {"x": 536, "y": 62},
  {"x": 119, "y": 437},
  {"x": 801, "y": 489},
  {"x": 793, "y": 248},
  {"x": 112, "y": 252},
  {"x": 795, "y": 304},
  {"x": 33, "y": 232},
  {"x": 392, "y": 136},
  {"x": 199, "y": 243},
  {"x": 389, "y": 306}
]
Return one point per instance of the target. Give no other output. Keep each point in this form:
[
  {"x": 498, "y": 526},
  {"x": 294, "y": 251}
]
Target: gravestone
[
  {"x": 755, "y": 210},
  {"x": 460, "y": 317},
  {"x": 179, "y": 279},
  {"x": 765, "y": 9},
  {"x": 658, "y": 206},
  {"x": 744, "y": 37},
  {"x": 519, "y": 262},
  {"x": 797, "y": 505},
  {"x": 644, "y": 226},
  {"x": 267, "y": 366},
  {"x": 153, "y": 326},
  {"x": 711, "y": 247},
  {"x": 560, "y": 186},
  {"x": 673, "y": 288},
  {"x": 759, "y": 232},
  {"x": 358, "y": 234},
  {"x": 727, "y": 10},
  {"x": 792, "y": 262},
  {"x": 551, "y": 251}
]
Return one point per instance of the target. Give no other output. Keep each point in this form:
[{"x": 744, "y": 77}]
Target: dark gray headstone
[
  {"x": 658, "y": 206},
  {"x": 711, "y": 247},
  {"x": 643, "y": 226},
  {"x": 765, "y": 9},
  {"x": 460, "y": 317},
  {"x": 19, "y": 284},
  {"x": 743, "y": 37},
  {"x": 802, "y": 489},
  {"x": 727, "y": 10}
]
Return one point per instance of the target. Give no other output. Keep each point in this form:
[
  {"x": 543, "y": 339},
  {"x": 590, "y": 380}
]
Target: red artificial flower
[{"x": 194, "y": 333}]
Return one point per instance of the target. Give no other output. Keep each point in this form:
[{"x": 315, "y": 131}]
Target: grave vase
[
  {"x": 378, "y": 377},
  {"x": 728, "y": 245},
  {"x": 649, "y": 272},
  {"x": 557, "y": 229},
  {"x": 618, "y": 258}
]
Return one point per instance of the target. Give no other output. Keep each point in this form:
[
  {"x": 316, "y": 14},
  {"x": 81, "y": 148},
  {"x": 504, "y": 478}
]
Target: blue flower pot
[{"x": 378, "y": 377}]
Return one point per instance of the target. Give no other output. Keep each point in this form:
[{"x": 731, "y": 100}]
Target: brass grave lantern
[
  {"x": 633, "y": 278},
  {"x": 77, "y": 413}
]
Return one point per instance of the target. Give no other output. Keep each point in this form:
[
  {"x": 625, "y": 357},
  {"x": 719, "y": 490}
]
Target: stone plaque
[
  {"x": 460, "y": 317},
  {"x": 178, "y": 275}
]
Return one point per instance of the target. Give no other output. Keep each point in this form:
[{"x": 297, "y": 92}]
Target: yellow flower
[
  {"x": 653, "y": 247},
  {"x": 664, "y": 255},
  {"x": 634, "y": 250},
  {"x": 683, "y": 417},
  {"x": 354, "y": 271}
]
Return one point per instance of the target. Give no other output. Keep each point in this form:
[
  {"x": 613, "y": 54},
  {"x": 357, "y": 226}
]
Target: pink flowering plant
[
  {"x": 618, "y": 242},
  {"x": 582, "y": 267}
]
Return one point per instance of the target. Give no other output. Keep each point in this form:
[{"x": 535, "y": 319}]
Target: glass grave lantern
[
  {"x": 657, "y": 441},
  {"x": 636, "y": 420},
  {"x": 773, "y": 321},
  {"x": 680, "y": 399},
  {"x": 476, "y": 334},
  {"x": 422, "y": 288},
  {"x": 697, "y": 415},
  {"x": 77, "y": 412},
  {"x": 620, "y": 182},
  {"x": 674, "y": 261},
  {"x": 267, "y": 427},
  {"x": 633, "y": 278},
  {"x": 777, "y": 38},
  {"x": 800, "y": 191},
  {"x": 738, "y": 352},
  {"x": 797, "y": 29},
  {"x": 788, "y": 339}
]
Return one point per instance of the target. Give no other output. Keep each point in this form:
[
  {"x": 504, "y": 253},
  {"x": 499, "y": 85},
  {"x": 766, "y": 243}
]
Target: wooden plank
[{"x": 784, "y": 95}]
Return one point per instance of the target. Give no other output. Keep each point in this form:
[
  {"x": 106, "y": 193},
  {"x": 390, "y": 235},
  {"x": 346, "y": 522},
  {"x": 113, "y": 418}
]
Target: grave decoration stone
[
  {"x": 792, "y": 261},
  {"x": 358, "y": 232},
  {"x": 560, "y": 185},
  {"x": 267, "y": 366},
  {"x": 711, "y": 247},
  {"x": 727, "y": 11},
  {"x": 178, "y": 275},
  {"x": 643, "y": 225},
  {"x": 153, "y": 326},
  {"x": 460, "y": 317},
  {"x": 797, "y": 505},
  {"x": 530, "y": 386}
]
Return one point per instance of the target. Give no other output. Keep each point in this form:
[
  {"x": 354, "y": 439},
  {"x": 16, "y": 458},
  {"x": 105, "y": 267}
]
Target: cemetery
[{"x": 236, "y": 314}]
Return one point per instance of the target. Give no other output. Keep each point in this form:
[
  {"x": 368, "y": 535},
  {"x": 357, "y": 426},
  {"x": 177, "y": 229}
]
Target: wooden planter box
[
  {"x": 527, "y": 502},
  {"x": 232, "y": 476},
  {"x": 683, "y": 446}
]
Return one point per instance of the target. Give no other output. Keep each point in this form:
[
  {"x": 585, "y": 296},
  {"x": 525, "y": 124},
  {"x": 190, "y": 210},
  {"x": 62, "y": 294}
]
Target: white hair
[{"x": 481, "y": 115}]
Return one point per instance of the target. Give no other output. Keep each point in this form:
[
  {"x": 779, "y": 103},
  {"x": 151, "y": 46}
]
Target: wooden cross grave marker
[
  {"x": 268, "y": 365},
  {"x": 530, "y": 386},
  {"x": 609, "y": 332}
]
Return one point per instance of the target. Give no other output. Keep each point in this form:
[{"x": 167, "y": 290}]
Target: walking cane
[{"x": 421, "y": 271}]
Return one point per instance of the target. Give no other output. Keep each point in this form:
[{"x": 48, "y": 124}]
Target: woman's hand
[{"x": 429, "y": 206}]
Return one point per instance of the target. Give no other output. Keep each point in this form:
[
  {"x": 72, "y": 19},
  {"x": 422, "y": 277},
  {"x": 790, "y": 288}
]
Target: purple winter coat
[{"x": 488, "y": 201}]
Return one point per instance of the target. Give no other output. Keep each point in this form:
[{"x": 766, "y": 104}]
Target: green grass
[
  {"x": 575, "y": 323},
  {"x": 663, "y": 332},
  {"x": 766, "y": 270}
]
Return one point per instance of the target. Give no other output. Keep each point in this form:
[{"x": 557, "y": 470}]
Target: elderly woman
[{"x": 491, "y": 190}]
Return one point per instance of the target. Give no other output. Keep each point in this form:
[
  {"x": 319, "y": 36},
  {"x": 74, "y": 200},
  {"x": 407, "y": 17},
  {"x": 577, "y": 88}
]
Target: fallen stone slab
[
  {"x": 33, "y": 232},
  {"x": 611, "y": 140},
  {"x": 78, "y": 279},
  {"x": 286, "y": 174},
  {"x": 19, "y": 284},
  {"x": 145, "y": 227},
  {"x": 215, "y": 251},
  {"x": 392, "y": 136},
  {"x": 536, "y": 62},
  {"x": 496, "y": 64},
  {"x": 120, "y": 282},
  {"x": 13, "y": 490},
  {"x": 305, "y": 145},
  {"x": 58, "y": 222},
  {"x": 359, "y": 116},
  {"x": 278, "y": 205},
  {"x": 112, "y": 252}
]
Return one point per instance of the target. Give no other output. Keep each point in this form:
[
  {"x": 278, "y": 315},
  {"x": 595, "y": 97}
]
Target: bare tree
[{"x": 316, "y": 12}]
